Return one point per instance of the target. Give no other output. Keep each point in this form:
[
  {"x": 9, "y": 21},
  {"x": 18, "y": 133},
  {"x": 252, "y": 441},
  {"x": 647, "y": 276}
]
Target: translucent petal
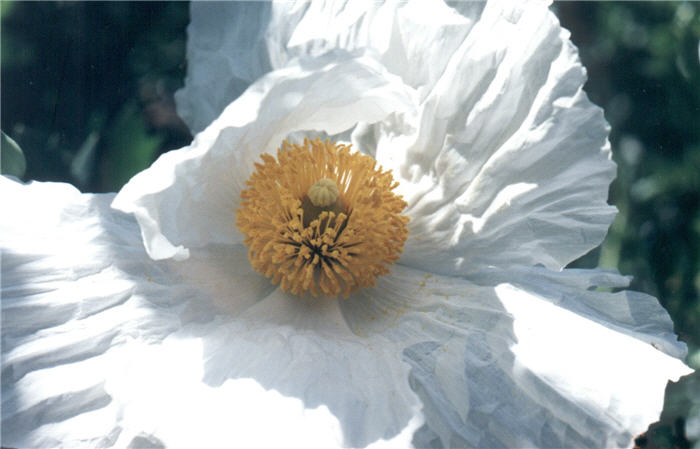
[
  {"x": 214, "y": 81},
  {"x": 587, "y": 293},
  {"x": 526, "y": 359},
  {"x": 231, "y": 44},
  {"x": 187, "y": 198}
]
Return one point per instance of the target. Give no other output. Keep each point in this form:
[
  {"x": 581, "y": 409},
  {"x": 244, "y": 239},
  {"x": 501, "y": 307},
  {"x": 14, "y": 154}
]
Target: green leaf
[{"x": 12, "y": 161}]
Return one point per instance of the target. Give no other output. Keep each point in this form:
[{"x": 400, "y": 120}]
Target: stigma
[
  {"x": 321, "y": 220},
  {"x": 323, "y": 193}
]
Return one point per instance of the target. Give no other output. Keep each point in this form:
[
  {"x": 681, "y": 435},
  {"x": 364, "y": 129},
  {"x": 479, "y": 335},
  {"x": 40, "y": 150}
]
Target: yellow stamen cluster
[{"x": 321, "y": 219}]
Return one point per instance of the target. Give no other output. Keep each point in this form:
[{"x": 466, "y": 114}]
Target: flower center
[
  {"x": 320, "y": 219},
  {"x": 324, "y": 193}
]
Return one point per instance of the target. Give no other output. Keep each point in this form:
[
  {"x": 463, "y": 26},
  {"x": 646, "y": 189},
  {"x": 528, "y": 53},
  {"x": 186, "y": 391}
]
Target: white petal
[
  {"x": 187, "y": 198},
  {"x": 104, "y": 346},
  {"x": 303, "y": 348},
  {"x": 560, "y": 351},
  {"x": 633, "y": 313},
  {"x": 535, "y": 362},
  {"x": 231, "y": 44},
  {"x": 507, "y": 162},
  {"x": 227, "y": 51}
]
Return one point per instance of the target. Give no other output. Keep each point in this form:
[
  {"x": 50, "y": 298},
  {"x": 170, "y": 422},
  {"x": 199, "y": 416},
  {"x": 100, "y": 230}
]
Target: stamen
[{"x": 320, "y": 219}]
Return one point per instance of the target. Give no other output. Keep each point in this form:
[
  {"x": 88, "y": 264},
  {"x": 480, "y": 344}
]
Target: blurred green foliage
[
  {"x": 87, "y": 87},
  {"x": 87, "y": 94}
]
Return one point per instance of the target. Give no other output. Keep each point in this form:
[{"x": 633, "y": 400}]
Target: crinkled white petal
[
  {"x": 502, "y": 158},
  {"x": 633, "y": 313},
  {"x": 507, "y": 162},
  {"x": 213, "y": 82},
  {"x": 188, "y": 197},
  {"x": 231, "y": 44},
  {"x": 531, "y": 362},
  {"x": 102, "y": 346}
]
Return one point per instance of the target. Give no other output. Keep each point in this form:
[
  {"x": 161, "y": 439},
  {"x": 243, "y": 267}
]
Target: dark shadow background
[
  {"x": 87, "y": 94},
  {"x": 87, "y": 87}
]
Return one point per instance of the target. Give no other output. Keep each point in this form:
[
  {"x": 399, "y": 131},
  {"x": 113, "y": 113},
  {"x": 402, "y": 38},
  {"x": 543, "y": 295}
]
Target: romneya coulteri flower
[{"x": 394, "y": 279}]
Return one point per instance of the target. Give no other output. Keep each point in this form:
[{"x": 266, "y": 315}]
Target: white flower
[{"x": 477, "y": 337}]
